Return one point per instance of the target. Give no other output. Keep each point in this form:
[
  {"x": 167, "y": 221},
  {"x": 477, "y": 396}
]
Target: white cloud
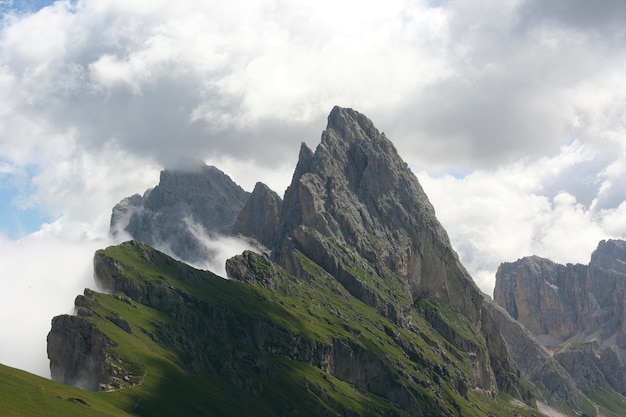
[
  {"x": 500, "y": 215},
  {"x": 38, "y": 275}
]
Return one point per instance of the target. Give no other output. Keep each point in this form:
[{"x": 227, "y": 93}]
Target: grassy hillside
[
  {"x": 25, "y": 394},
  {"x": 196, "y": 344}
]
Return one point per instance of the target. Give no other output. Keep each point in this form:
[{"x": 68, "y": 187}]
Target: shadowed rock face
[
  {"x": 260, "y": 217},
  {"x": 185, "y": 207},
  {"x": 77, "y": 352},
  {"x": 536, "y": 364},
  {"x": 575, "y": 310},
  {"x": 610, "y": 255}
]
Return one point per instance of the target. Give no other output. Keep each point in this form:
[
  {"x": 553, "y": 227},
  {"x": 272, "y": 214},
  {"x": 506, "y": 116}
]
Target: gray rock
[
  {"x": 260, "y": 216},
  {"x": 182, "y": 211},
  {"x": 80, "y": 354},
  {"x": 355, "y": 208},
  {"x": 536, "y": 364},
  {"x": 576, "y": 311},
  {"x": 123, "y": 211},
  {"x": 77, "y": 352},
  {"x": 356, "y": 190},
  {"x": 610, "y": 255}
]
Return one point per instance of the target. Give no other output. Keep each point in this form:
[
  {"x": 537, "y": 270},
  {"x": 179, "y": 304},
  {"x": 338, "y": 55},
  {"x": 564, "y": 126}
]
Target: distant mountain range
[
  {"x": 354, "y": 303},
  {"x": 577, "y": 313}
]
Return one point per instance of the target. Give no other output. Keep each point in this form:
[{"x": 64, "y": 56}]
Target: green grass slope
[
  {"x": 200, "y": 345},
  {"x": 28, "y": 395}
]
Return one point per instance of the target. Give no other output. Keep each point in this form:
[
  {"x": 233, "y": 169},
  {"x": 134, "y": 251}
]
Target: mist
[
  {"x": 218, "y": 247},
  {"x": 41, "y": 276}
]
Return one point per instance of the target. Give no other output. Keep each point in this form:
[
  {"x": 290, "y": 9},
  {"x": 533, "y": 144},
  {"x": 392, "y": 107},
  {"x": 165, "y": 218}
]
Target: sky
[{"x": 512, "y": 114}]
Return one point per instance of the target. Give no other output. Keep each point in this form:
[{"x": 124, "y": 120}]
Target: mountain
[
  {"x": 576, "y": 311},
  {"x": 553, "y": 385},
  {"x": 187, "y": 207},
  {"x": 172, "y": 340},
  {"x": 358, "y": 305},
  {"x": 356, "y": 209}
]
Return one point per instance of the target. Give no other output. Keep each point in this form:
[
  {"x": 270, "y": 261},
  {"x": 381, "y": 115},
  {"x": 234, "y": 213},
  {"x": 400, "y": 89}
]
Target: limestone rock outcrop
[
  {"x": 260, "y": 216},
  {"x": 182, "y": 211},
  {"x": 80, "y": 354},
  {"x": 76, "y": 349},
  {"x": 576, "y": 311},
  {"x": 535, "y": 363},
  {"x": 355, "y": 190}
]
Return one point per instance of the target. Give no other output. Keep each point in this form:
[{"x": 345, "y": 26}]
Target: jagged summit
[
  {"x": 576, "y": 311},
  {"x": 259, "y": 217},
  {"x": 611, "y": 255},
  {"x": 355, "y": 189},
  {"x": 189, "y": 204},
  {"x": 351, "y": 125},
  {"x": 355, "y": 208}
]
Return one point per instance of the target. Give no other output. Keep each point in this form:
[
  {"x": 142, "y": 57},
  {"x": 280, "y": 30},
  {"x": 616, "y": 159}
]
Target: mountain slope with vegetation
[{"x": 184, "y": 341}]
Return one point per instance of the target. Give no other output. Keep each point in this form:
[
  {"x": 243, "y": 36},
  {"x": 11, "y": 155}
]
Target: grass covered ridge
[{"x": 276, "y": 346}]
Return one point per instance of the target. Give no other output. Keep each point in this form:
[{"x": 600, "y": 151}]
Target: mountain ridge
[
  {"x": 358, "y": 304},
  {"x": 576, "y": 311}
]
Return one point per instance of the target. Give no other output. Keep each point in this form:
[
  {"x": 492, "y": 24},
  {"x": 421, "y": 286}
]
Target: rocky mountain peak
[
  {"x": 361, "y": 284},
  {"x": 260, "y": 216},
  {"x": 576, "y": 311},
  {"x": 356, "y": 190},
  {"x": 355, "y": 209},
  {"x": 610, "y": 255},
  {"x": 189, "y": 203},
  {"x": 351, "y": 125}
]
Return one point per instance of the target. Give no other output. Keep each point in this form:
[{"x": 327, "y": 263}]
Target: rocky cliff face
[
  {"x": 76, "y": 349},
  {"x": 80, "y": 354},
  {"x": 182, "y": 211},
  {"x": 355, "y": 208},
  {"x": 577, "y": 311},
  {"x": 355, "y": 190},
  {"x": 260, "y": 217},
  {"x": 536, "y": 364},
  {"x": 610, "y": 255}
]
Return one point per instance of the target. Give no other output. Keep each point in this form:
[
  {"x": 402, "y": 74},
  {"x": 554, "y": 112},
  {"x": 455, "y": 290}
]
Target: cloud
[
  {"x": 219, "y": 248},
  {"x": 202, "y": 80},
  {"x": 606, "y": 18},
  {"x": 511, "y": 89},
  {"x": 529, "y": 208},
  {"x": 38, "y": 275},
  {"x": 462, "y": 84}
]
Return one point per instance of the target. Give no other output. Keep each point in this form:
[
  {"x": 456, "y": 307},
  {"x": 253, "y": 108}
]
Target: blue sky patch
[
  {"x": 29, "y": 6},
  {"x": 16, "y": 221}
]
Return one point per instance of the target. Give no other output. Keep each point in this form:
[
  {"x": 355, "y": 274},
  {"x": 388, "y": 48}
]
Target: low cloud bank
[{"x": 40, "y": 277}]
